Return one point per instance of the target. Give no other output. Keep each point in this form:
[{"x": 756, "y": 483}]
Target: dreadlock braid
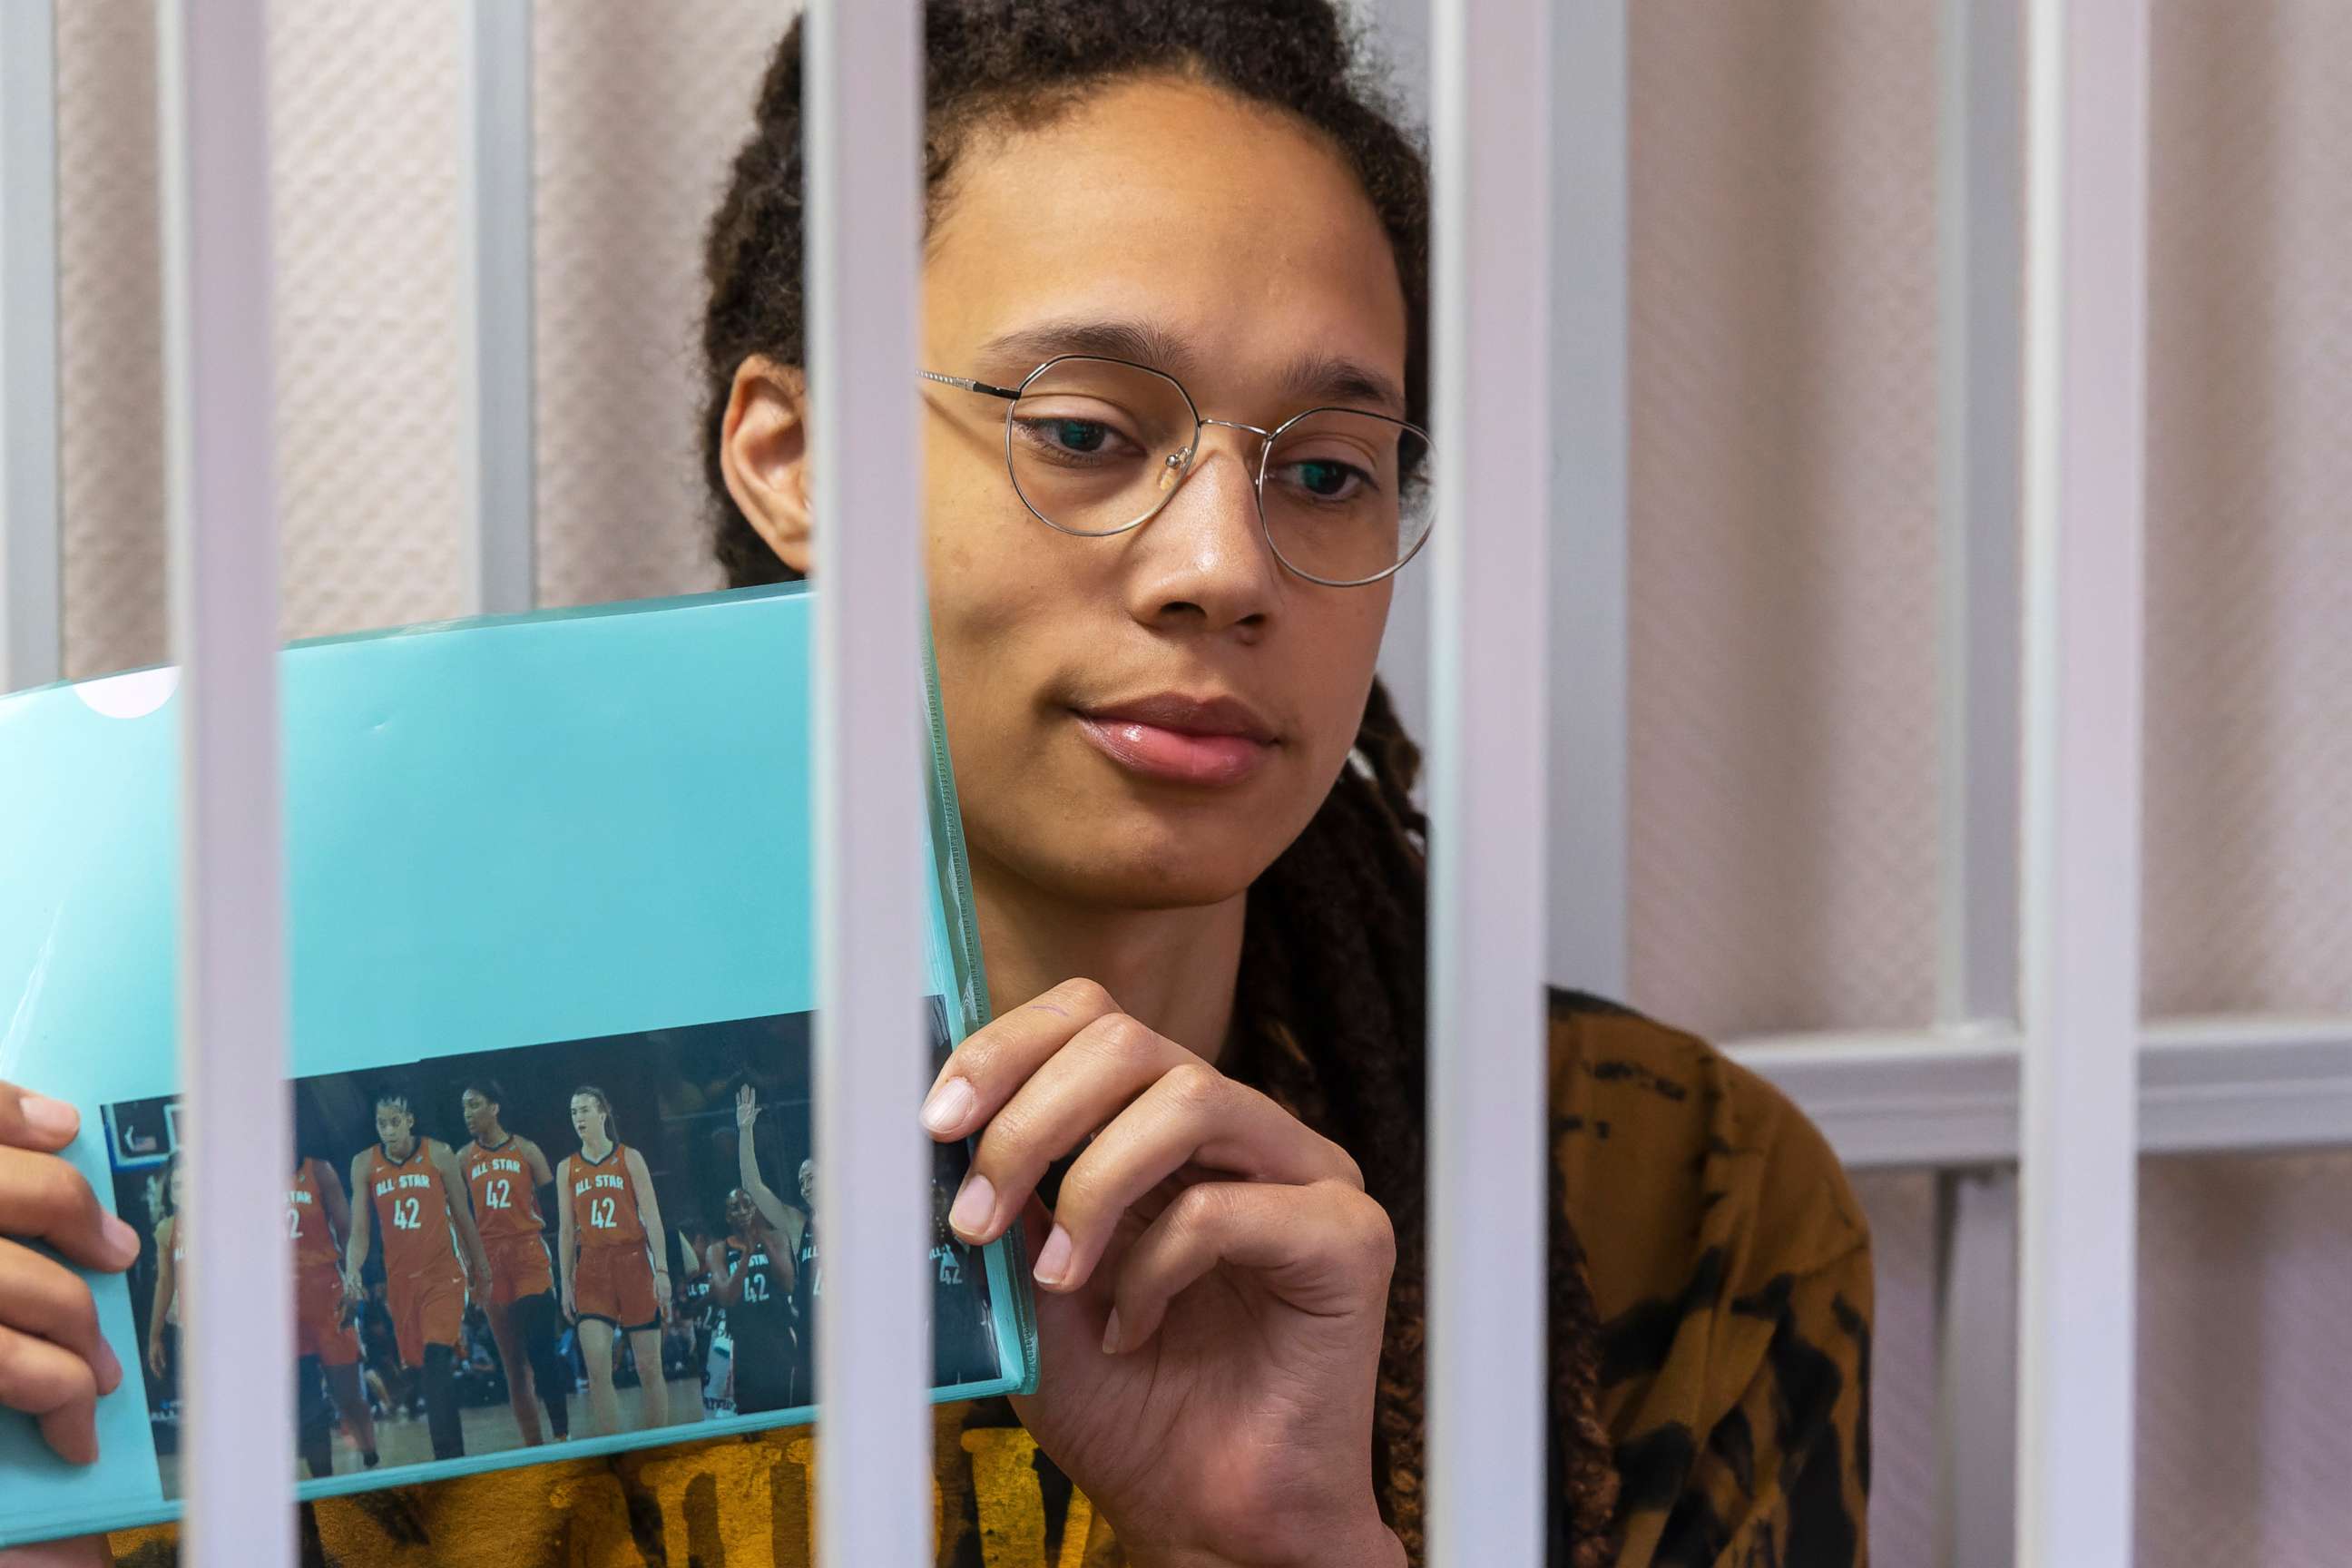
[
  {"x": 1332, "y": 996},
  {"x": 1333, "y": 978}
]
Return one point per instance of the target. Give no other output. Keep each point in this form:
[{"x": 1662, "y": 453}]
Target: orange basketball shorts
[
  {"x": 616, "y": 1284},
  {"x": 519, "y": 1268},
  {"x": 318, "y": 1326},
  {"x": 425, "y": 1312}
]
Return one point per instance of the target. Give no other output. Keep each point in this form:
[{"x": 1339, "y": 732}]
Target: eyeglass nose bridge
[{"x": 1178, "y": 464}]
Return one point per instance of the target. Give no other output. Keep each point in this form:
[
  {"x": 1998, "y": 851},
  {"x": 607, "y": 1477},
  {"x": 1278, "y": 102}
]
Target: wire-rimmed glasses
[{"x": 1097, "y": 446}]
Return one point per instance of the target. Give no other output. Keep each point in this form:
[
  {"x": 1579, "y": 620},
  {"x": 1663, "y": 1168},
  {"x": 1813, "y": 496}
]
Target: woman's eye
[
  {"x": 1327, "y": 479},
  {"x": 1079, "y": 434},
  {"x": 1066, "y": 437}
]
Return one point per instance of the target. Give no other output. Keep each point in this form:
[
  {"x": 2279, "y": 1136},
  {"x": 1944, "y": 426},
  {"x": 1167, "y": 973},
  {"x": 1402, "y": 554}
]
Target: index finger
[
  {"x": 41, "y": 1195},
  {"x": 982, "y": 1073},
  {"x": 29, "y": 1121}
]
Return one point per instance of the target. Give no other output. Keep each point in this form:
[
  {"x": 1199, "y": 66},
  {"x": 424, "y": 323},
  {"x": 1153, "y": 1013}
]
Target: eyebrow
[
  {"x": 1025, "y": 347},
  {"x": 1313, "y": 378}
]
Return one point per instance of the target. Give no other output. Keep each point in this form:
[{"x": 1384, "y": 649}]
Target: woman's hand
[
  {"x": 53, "y": 1364},
  {"x": 1214, "y": 1278},
  {"x": 747, "y": 1108},
  {"x": 83, "y": 1552}
]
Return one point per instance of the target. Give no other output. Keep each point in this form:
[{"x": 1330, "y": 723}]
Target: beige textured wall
[
  {"x": 1783, "y": 747},
  {"x": 1783, "y": 298},
  {"x": 638, "y": 110},
  {"x": 638, "y": 115},
  {"x": 2249, "y": 509},
  {"x": 1784, "y": 409},
  {"x": 111, "y": 338}
]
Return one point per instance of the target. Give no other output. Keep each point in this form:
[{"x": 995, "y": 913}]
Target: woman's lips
[{"x": 1175, "y": 755}]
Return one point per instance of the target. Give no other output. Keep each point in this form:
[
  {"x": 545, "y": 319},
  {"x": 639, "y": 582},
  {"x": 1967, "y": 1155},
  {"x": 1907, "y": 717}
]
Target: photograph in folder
[
  {"x": 552, "y": 1189},
  {"x": 500, "y": 1249}
]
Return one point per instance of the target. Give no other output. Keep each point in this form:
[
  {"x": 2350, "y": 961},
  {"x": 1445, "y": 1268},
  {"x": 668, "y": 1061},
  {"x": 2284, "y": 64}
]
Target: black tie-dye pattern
[{"x": 1731, "y": 1266}]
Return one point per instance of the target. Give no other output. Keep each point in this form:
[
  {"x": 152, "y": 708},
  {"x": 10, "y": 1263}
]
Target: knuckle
[
  {"x": 1367, "y": 1233},
  {"x": 1202, "y": 1209},
  {"x": 1123, "y": 1038},
  {"x": 1351, "y": 1172},
  {"x": 16, "y": 1372},
  {"x": 1085, "y": 995},
  {"x": 1194, "y": 1086},
  {"x": 1005, "y": 1144}
]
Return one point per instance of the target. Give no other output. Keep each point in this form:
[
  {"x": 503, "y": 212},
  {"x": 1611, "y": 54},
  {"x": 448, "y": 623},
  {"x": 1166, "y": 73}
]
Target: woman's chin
[{"x": 1148, "y": 871}]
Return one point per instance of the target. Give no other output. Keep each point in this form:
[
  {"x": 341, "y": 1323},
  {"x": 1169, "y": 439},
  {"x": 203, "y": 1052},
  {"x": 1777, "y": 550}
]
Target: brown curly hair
[{"x": 1330, "y": 1000}]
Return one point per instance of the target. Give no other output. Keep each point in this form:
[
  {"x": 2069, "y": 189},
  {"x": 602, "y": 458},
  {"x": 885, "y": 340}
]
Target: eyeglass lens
[{"x": 1096, "y": 446}]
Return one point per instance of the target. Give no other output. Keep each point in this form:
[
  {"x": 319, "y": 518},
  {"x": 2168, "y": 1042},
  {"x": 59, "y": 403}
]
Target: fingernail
[
  {"x": 974, "y": 1205},
  {"x": 51, "y": 1118},
  {"x": 110, "y": 1369},
  {"x": 949, "y": 1104},
  {"x": 121, "y": 1236},
  {"x": 1110, "y": 1333},
  {"x": 1054, "y": 1260}
]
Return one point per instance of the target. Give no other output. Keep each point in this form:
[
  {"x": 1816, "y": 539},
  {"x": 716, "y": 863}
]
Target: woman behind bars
[{"x": 1175, "y": 427}]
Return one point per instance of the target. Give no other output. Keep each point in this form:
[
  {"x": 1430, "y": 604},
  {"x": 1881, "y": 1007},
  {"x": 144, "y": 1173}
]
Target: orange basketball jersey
[
  {"x": 306, "y": 1220},
  {"x": 411, "y": 1208},
  {"x": 506, "y": 1203},
  {"x": 605, "y": 1201}
]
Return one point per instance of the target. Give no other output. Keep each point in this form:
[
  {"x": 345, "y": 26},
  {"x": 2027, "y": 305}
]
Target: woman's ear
[{"x": 763, "y": 450}]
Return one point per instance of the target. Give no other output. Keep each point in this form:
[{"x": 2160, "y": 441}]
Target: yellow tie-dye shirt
[{"x": 1729, "y": 1263}]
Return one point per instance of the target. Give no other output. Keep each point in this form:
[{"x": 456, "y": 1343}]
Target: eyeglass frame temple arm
[{"x": 966, "y": 384}]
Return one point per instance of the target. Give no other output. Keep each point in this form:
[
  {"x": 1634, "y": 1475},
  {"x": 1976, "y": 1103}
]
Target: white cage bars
[
  {"x": 237, "y": 1435},
  {"x": 2037, "y": 998}
]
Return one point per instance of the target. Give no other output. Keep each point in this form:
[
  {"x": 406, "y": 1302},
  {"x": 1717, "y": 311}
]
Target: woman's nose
[{"x": 1204, "y": 558}]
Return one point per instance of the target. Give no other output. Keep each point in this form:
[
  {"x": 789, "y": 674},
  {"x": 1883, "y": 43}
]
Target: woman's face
[
  {"x": 587, "y": 1117},
  {"x": 1248, "y": 249},
  {"x": 392, "y": 1126},
  {"x": 481, "y": 1115}
]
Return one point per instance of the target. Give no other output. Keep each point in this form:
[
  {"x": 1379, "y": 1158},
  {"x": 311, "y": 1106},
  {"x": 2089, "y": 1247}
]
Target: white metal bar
[
  {"x": 2244, "y": 1084},
  {"x": 1979, "y": 238},
  {"x": 495, "y": 233},
  {"x": 1401, "y": 29},
  {"x": 1491, "y": 293},
  {"x": 2087, "y": 311},
  {"x": 30, "y": 518},
  {"x": 864, "y": 115},
  {"x": 1976, "y": 1306},
  {"x": 1901, "y": 1099},
  {"x": 1591, "y": 500},
  {"x": 239, "y": 1433}
]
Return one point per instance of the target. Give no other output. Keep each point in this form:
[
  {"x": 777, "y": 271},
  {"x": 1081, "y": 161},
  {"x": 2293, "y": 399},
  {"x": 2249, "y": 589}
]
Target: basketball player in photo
[
  {"x": 171, "y": 1260},
  {"x": 504, "y": 1172},
  {"x": 753, "y": 1275},
  {"x": 609, "y": 1243},
  {"x": 807, "y": 1267},
  {"x": 432, "y": 1255},
  {"x": 963, "y": 1330},
  {"x": 318, "y": 1220}
]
